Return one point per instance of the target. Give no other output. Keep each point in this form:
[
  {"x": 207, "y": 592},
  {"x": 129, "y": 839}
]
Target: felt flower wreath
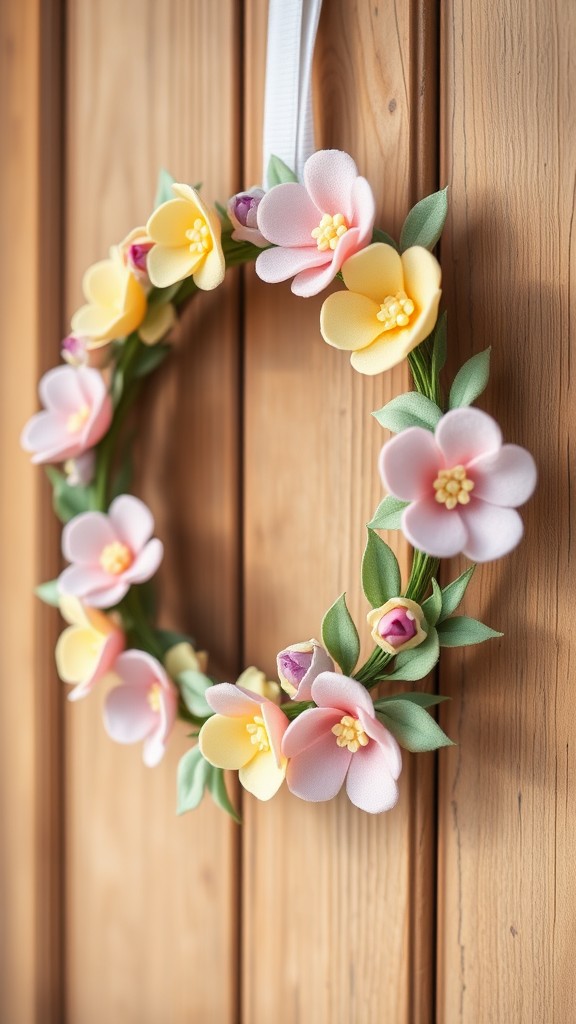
[{"x": 452, "y": 487}]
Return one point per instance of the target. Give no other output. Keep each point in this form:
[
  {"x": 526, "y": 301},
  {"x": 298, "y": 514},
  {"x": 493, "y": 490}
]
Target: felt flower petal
[
  {"x": 385, "y": 740},
  {"x": 409, "y": 464},
  {"x": 331, "y": 690},
  {"x": 310, "y": 282},
  {"x": 464, "y": 434},
  {"x": 228, "y": 699},
  {"x": 60, "y": 390},
  {"x": 73, "y": 653},
  {"x": 348, "y": 320},
  {"x": 262, "y": 776},
  {"x": 318, "y": 772},
  {"x": 84, "y": 537},
  {"x": 375, "y": 271},
  {"x": 507, "y": 477},
  {"x": 94, "y": 322},
  {"x": 146, "y": 562},
  {"x": 154, "y": 749},
  {"x": 80, "y": 580},
  {"x": 102, "y": 283},
  {"x": 168, "y": 265},
  {"x": 108, "y": 596},
  {"x": 274, "y": 265},
  {"x": 364, "y": 209},
  {"x": 159, "y": 319},
  {"x": 422, "y": 273},
  {"x": 434, "y": 529},
  {"x": 211, "y": 271},
  {"x": 276, "y": 724},
  {"x": 128, "y": 716},
  {"x": 225, "y": 742},
  {"x": 386, "y": 352},
  {"x": 329, "y": 176},
  {"x": 139, "y": 669},
  {"x": 369, "y": 784},
  {"x": 491, "y": 531},
  {"x": 45, "y": 435},
  {"x": 308, "y": 728},
  {"x": 132, "y": 521},
  {"x": 168, "y": 224},
  {"x": 287, "y": 216}
]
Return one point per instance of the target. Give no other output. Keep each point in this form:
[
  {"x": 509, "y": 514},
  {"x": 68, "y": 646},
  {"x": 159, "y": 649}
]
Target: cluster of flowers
[{"x": 453, "y": 484}]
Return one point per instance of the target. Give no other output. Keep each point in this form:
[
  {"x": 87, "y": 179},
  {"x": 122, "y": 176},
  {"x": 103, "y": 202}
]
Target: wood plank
[
  {"x": 152, "y": 898},
  {"x": 327, "y": 890},
  {"x": 507, "y": 794}
]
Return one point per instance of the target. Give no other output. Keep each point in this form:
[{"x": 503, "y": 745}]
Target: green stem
[{"x": 138, "y": 621}]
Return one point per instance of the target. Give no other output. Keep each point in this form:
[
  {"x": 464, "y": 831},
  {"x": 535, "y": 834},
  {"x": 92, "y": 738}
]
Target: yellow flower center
[
  {"x": 330, "y": 231},
  {"x": 258, "y": 734},
  {"x": 349, "y": 733},
  {"x": 76, "y": 420},
  {"x": 199, "y": 237},
  {"x": 453, "y": 487},
  {"x": 154, "y": 696},
  {"x": 395, "y": 311},
  {"x": 116, "y": 558}
]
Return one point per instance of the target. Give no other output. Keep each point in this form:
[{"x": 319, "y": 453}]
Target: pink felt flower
[
  {"x": 463, "y": 486},
  {"x": 78, "y": 412},
  {"x": 143, "y": 707},
  {"x": 109, "y": 552},
  {"x": 315, "y": 226},
  {"x": 342, "y": 740}
]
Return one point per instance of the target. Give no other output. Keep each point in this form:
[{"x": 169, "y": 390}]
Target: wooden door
[{"x": 257, "y": 453}]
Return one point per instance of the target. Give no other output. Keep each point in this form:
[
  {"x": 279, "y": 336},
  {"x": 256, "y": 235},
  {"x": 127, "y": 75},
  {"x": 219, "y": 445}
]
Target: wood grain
[
  {"x": 152, "y": 899},
  {"x": 507, "y": 792},
  {"x": 327, "y": 890}
]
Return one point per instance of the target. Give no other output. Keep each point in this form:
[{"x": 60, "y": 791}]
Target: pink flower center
[
  {"x": 330, "y": 231},
  {"x": 76, "y": 420},
  {"x": 395, "y": 311},
  {"x": 398, "y": 626},
  {"x": 349, "y": 733},
  {"x": 199, "y": 238},
  {"x": 453, "y": 487},
  {"x": 116, "y": 558},
  {"x": 154, "y": 697},
  {"x": 258, "y": 734}
]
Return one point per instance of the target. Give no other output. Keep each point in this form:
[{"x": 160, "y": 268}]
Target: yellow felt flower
[
  {"x": 88, "y": 648},
  {"x": 116, "y": 302},
  {"x": 183, "y": 657},
  {"x": 254, "y": 680},
  {"x": 390, "y": 307},
  {"x": 186, "y": 234}
]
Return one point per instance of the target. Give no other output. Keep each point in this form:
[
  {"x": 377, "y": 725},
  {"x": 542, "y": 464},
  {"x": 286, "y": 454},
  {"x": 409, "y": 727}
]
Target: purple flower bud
[
  {"x": 245, "y": 208},
  {"x": 398, "y": 626},
  {"x": 243, "y": 212},
  {"x": 74, "y": 350},
  {"x": 298, "y": 666},
  {"x": 137, "y": 255}
]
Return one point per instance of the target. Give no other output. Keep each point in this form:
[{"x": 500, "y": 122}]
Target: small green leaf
[
  {"x": 151, "y": 359},
  {"x": 168, "y": 638},
  {"x": 424, "y": 224},
  {"x": 219, "y": 794},
  {"x": 419, "y": 661},
  {"x": 157, "y": 296},
  {"x": 191, "y": 779},
  {"x": 409, "y": 410},
  {"x": 425, "y": 700},
  {"x": 470, "y": 380},
  {"x": 340, "y": 636},
  {"x": 439, "y": 345},
  {"x": 68, "y": 501},
  {"x": 193, "y": 686},
  {"x": 432, "y": 607},
  {"x": 163, "y": 188},
  {"x": 413, "y": 727},
  {"x": 453, "y": 593},
  {"x": 388, "y": 515},
  {"x": 49, "y": 593},
  {"x": 123, "y": 478},
  {"x": 461, "y": 631},
  {"x": 381, "y": 578},
  {"x": 382, "y": 236},
  {"x": 279, "y": 172}
]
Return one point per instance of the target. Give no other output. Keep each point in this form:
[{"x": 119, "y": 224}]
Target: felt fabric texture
[
  {"x": 172, "y": 257},
  {"x": 115, "y": 302},
  {"x": 298, "y": 666},
  {"x": 397, "y": 625},
  {"x": 143, "y": 706},
  {"x": 88, "y": 647},
  {"x": 77, "y": 413},
  {"x": 242, "y": 211}
]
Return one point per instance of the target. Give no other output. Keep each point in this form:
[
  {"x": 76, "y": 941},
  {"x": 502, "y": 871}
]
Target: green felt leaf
[
  {"x": 150, "y": 359},
  {"x": 48, "y": 592},
  {"x": 340, "y": 636},
  {"x": 219, "y": 794},
  {"x": 432, "y": 607},
  {"x": 424, "y": 224},
  {"x": 419, "y": 661},
  {"x": 388, "y": 515},
  {"x": 453, "y": 593},
  {"x": 409, "y": 410},
  {"x": 193, "y": 686},
  {"x": 425, "y": 700},
  {"x": 168, "y": 638},
  {"x": 123, "y": 478},
  {"x": 461, "y": 631},
  {"x": 470, "y": 380},
  {"x": 413, "y": 727},
  {"x": 381, "y": 578},
  {"x": 439, "y": 345},
  {"x": 279, "y": 172},
  {"x": 163, "y": 188},
  {"x": 158, "y": 296},
  {"x": 68, "y": 501},
  {"x": 382, "y": 236},
  {"x": 191, "y": 779}
]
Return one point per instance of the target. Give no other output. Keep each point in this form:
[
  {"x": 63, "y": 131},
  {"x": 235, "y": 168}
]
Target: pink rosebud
[
  {"x": 137, "y": 255},
  {"x": 298, "y": 666},
  {"x": 341, "y": 740},
  {"x": 463, "y": 486},
  {"x": 397, "y": 625},
  {"x": 109, "y": 552},
  {"x": 143, "y": 707},
  {"x": 315, "y": 226},
  {"x": 243, "y": 211},
  {"x": 78, "y": 412}
]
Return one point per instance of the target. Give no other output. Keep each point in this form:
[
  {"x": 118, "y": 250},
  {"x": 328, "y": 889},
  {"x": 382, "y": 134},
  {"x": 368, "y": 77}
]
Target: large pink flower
[
  {"x": 143, "y": 707},
  {"x": 463, "y": 486},
  {"x": 109, "y": 552},
  {"x": 78, "y": 412},
  {"x": 342, "y": 740},
  {"x": 316, "y": 226}
]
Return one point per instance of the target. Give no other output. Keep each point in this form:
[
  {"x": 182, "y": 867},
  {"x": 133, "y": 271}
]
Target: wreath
[{"x": 451, "y": 486}]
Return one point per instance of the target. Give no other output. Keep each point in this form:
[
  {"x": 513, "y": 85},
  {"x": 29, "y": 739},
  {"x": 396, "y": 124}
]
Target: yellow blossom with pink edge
[
  {"x": 116, "y": 302},
  {"x": 87, "y": 650}
]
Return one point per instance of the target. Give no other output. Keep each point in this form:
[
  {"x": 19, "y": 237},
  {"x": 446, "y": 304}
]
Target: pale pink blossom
[
  {"x": 315, "y": 226},
  {"x": 77, "y": 414},
  {"x": 109, "y": 552},
  {"x": 341, "y": 740},
  {"x": 463, "y": 486},
  {"x": 143, "y": 707}
]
